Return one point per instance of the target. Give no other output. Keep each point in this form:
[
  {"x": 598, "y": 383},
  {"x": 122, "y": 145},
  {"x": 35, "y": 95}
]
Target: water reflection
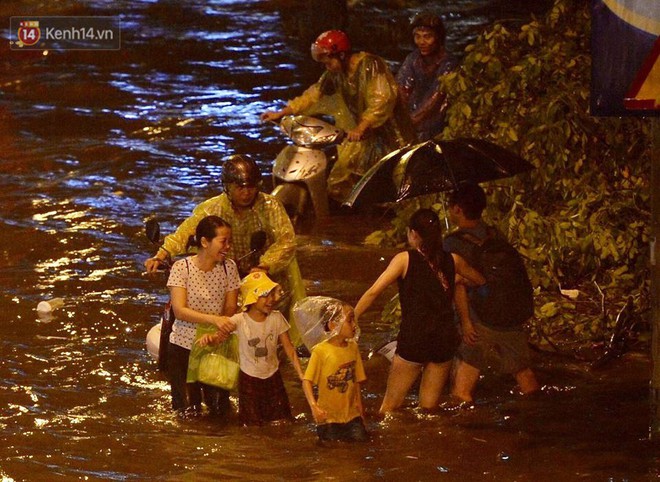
[{"x": 95, "y": 143}]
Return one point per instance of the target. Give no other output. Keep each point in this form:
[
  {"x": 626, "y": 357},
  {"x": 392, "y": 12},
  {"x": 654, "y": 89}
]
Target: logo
[
  {"x": 64, "y": 33},
  {"x": 28, "y": 33}
]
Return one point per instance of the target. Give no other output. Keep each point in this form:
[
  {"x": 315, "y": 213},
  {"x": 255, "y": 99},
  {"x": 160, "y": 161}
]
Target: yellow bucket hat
[{"x": 255, "y": 285}]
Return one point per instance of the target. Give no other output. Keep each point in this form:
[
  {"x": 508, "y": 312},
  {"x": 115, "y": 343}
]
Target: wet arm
[
  {"x": 429, "y": 107},
  {"x": 469, "y": 275},
  {"x": 231, "y": 303},
  {"x": 317, "y": 412},
  {"x": 297, "y": 105},
  {"x": 276, "y": 115},
  {"x": 436, "y": 102},
  {"x": 306, "y": 100},
  {"x": 358, "y": 132},
  {"x": 461, "y": 302},
  {"x": 394, "y": 270},
  {"x": 178, "y": 296},
  {"x": 290, "y": 351},
  {"x": 210, "y": 339}
]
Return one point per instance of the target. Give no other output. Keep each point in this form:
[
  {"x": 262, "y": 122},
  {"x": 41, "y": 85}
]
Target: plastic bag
[
  {"x": 312, "y": 314},
  {"x": 215, "y": 365},
  {"x": 218, "y": 370}
]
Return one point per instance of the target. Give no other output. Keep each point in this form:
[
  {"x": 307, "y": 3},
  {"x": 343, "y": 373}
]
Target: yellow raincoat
[
  {"x": 266, "y": 214},
  {"x": 367, "y": 91}
]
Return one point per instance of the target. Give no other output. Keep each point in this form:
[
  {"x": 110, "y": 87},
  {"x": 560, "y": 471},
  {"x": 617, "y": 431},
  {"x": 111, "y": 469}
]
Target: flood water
[{"x": 94, "y": 143}]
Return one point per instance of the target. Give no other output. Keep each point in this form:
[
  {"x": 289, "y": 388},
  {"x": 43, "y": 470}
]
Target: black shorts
[{"x": 437, "y": 348}]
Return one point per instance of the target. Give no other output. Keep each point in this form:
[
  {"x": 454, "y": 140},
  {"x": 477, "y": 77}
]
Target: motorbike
[{"x": 301, "y": 169}]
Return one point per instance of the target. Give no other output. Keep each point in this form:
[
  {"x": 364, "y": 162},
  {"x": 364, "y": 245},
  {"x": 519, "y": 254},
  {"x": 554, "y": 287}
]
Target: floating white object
[
  {"x": 50, "y": 305},
  {"x": 388, "y": 350},
  {"x": 153, "y": 340}
]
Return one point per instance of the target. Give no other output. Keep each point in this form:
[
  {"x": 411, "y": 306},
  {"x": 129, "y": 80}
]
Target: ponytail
[{"x": 427, "y": 225}]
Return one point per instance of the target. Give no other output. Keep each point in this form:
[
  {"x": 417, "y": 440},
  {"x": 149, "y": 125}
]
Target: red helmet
[{"x": 330, "y": 43}]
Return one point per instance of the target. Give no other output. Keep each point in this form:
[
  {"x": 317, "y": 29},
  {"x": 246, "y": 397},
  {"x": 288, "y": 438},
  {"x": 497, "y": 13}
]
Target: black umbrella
[{"x": 435, "y": 166}]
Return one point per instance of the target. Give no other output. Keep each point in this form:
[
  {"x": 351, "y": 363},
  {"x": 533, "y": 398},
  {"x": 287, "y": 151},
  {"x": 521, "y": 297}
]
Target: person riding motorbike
[
  {"x": 360, "y": 92},
  {"x": 247, "y": 210}
]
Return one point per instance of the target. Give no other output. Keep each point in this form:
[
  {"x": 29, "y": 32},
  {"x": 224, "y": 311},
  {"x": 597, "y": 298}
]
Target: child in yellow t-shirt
[{"x": 335, "y": 367}]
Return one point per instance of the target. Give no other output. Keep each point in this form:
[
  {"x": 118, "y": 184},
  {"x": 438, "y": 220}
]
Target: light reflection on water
[{"x": 94, "y": 144}]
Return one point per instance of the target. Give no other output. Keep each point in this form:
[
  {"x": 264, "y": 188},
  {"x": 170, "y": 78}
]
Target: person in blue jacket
[{"x": 419, "y": 74}]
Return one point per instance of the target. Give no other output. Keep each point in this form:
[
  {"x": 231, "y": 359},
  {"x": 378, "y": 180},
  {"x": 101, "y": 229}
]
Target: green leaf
[{"x": 549, "y": 310}]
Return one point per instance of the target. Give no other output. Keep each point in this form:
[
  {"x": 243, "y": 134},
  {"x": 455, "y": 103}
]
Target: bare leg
[
  {"x": 434, "y": 378},
  {"x": 402, "y": 376},
  {"x": 527, "y": 381},
  {"x": 465, "y": 381}
]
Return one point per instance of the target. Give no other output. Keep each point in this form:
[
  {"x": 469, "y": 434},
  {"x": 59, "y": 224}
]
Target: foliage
[{"x": 581, "y": 218}]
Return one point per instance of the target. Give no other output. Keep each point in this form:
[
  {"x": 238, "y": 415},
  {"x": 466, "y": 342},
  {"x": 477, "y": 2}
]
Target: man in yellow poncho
[
  {"x": 359, "y": 91},
  {"x": 247, "y": 210}
]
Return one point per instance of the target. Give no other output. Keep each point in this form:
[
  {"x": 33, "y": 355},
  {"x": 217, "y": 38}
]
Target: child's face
[
  {"x": 348, "y": 326},
  {"x": 266, "y": 304}
]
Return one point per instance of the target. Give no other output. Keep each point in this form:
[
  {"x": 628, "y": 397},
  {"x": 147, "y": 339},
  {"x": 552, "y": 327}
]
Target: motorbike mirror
[
  {"x": 257, "y": 243},
  {"x": 308, "y": 131},
  {"x": 152, "y": 229},
  {"x": 258, "y": 240}
]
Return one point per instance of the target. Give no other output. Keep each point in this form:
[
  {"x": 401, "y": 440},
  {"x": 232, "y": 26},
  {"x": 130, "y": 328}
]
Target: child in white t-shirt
[{"x": 260, "y": 328}]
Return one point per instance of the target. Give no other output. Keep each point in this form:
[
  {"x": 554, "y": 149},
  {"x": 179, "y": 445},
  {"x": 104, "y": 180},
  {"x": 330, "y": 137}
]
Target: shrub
[{"x": 581, "y": 218}]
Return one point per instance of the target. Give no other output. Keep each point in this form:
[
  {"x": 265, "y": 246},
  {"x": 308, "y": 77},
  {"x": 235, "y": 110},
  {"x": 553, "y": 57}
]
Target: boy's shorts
[
  {"x": 505, "y": 351},
  {"x": 353, "y": 431}
]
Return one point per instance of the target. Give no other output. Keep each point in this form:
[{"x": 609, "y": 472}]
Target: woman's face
[
  {"x": 218, "y": 247},
  {"x": 425, "y": 40}
]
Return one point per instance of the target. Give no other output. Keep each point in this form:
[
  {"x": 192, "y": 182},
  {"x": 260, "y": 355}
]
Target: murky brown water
[{"x": 93, "y": 143}]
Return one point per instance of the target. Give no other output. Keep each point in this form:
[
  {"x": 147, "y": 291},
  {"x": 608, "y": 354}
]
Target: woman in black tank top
[{"x": 428, "y": 336}]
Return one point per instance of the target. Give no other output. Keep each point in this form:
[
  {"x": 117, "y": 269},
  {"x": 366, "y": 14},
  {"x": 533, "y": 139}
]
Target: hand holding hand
[
  {"x": 208, "y": 339},
  {"x": 225, "y": 325}
]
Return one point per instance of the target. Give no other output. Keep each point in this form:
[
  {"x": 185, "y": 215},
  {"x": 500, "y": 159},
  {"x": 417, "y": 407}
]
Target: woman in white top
[{"x": 203, "y": 288}]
